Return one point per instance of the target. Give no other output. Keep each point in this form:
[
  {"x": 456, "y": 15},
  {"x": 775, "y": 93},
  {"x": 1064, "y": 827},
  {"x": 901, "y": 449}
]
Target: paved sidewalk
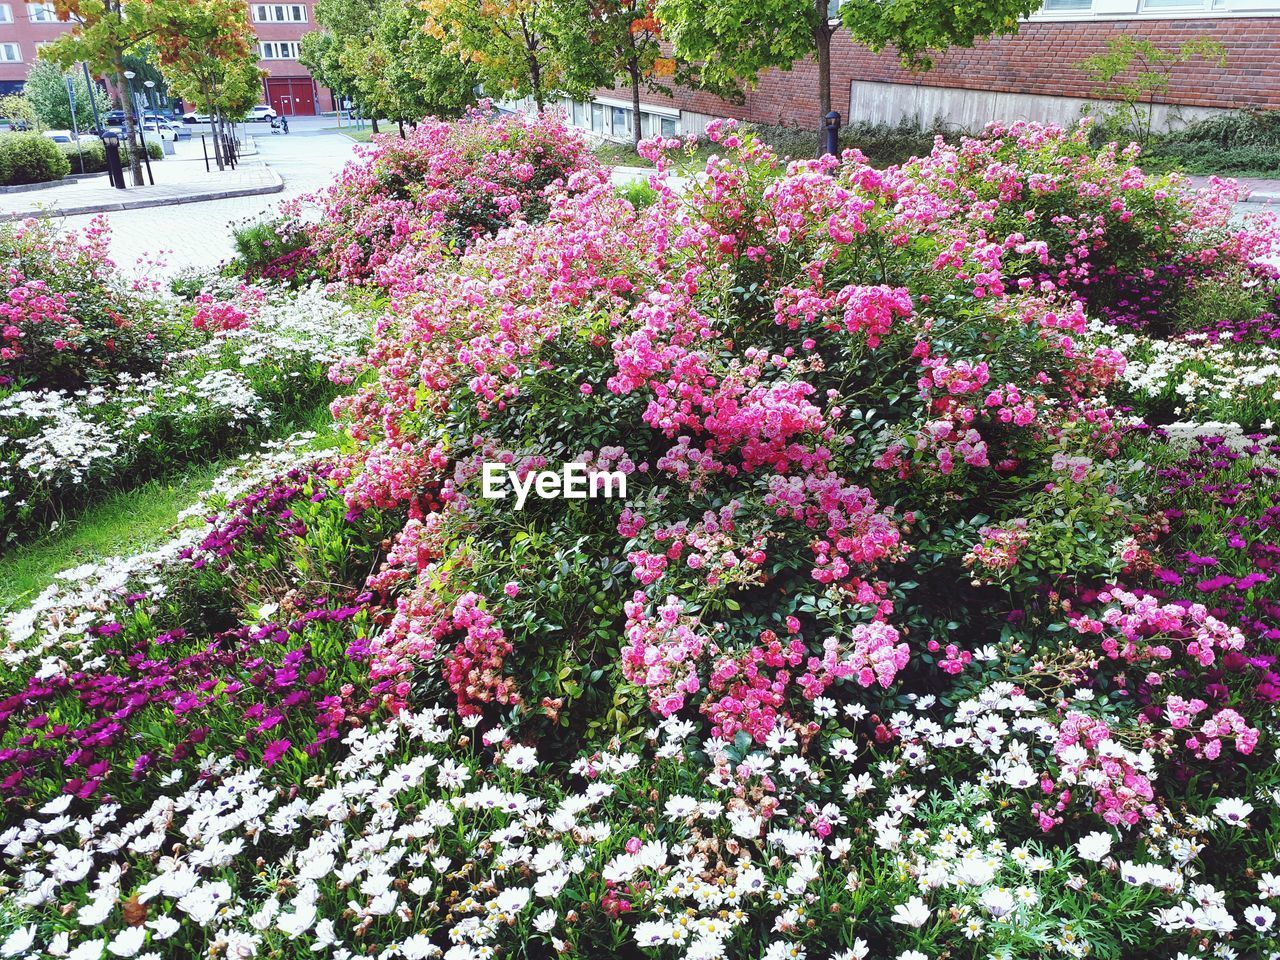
[
  {"x": 180, "y": 178},
  {"x": 198, "y": 235}
]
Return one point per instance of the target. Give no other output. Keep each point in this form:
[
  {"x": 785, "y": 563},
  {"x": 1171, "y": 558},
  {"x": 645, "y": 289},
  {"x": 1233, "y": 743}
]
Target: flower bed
[
  {"x": 922, "y": 630},
  {"x": 217, "y": 374}
]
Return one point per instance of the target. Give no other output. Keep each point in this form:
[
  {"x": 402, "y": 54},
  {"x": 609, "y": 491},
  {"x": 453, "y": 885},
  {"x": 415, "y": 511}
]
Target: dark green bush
[
  {"x": 91, "y": 150},
  {"x": 883, "y": 144},
  {"x": 1242, "y": 143},
  {"x": 30, "y": 158}
]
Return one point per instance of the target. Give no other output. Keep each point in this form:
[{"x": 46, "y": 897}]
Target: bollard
[{"x": 831, "y": 134}]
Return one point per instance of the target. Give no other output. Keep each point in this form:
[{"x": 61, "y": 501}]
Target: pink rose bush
[
  {"x": 67, "y": 317},
  {"x": 408, "y": 201},
  {"x": 904, "y": 621}
]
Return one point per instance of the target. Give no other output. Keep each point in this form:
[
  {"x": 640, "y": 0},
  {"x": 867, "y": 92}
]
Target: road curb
[{"x": 276, "y": 186}]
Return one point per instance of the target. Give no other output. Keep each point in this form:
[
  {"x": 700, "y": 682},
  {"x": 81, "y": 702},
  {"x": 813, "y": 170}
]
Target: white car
[
  {"x": 194, "y": 117},
  {"x": 60, "y": 136},
  {"x": 262, "y": 112}
]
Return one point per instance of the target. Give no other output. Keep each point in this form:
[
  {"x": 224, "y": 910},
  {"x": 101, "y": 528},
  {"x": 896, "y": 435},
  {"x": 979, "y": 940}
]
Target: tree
[
  {"x": 410, "y": 74},
  {"x": 207, "y": 51},
  {"x": 733, "y": 41},
  {"x": 511, "y": 43},
  {"x": 46, "y": 91},
  {"x": 102, "y": 34},
  {"x": 15, "y": 107},
  {"x": 379, "y": 52},
  {"x": 1136, "y": 71},
  {"x": 607, "y": 42},
  {"x": 335, "y": 53}
]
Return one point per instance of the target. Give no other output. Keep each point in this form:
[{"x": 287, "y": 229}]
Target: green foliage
[
  {"x": 1137, "y": 71},
  {"x": 919, "y": 28},
  {"x": 408, "y": 75},
  {"x": 613, "y": 43},
  {"x": 1241, "y": 144},
  {"x": 733, "y": 43},
  {"x": 89, "y": 157},
  {"x": 30, "y": 158},
  {"x": 46, "y": 89},
  {"x": 638, "y": 193},
  {"x": 883, "y": 144},
  {"x": 15, "y": 107}
]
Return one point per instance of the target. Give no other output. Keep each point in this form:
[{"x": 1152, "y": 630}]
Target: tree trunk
[
  {"x": 822, "y": 32},
  {"x": 633, "y": 71},
  {"x": 130, "y": 128},
  {"x": 217, "y": 145},
  {"x": 374, "y": 120},
  {"x": 535, "y": 80}
]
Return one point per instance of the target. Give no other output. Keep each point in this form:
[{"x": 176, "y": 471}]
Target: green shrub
[
  {"x": 883, "y": 144},
  {"x": 89, "y": 157},
  {"x": 638, "y": 193},
  {"x": 30, "y": 158},
  {"x": 1242, "y": 143}
]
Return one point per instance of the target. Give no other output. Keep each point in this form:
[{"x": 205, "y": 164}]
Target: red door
[{"x": 292, "y": 96}]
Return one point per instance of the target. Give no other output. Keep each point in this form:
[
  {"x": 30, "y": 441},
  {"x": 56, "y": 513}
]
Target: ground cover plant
[{"x": 938, "y": 617}]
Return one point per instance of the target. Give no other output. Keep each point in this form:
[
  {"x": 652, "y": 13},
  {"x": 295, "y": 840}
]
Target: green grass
[
  {"x": 124, "y": 521},
  {"x": 363, "y": 136},
  {"x": 624, "y": 155},
  {"x": 128, "y": 521}
]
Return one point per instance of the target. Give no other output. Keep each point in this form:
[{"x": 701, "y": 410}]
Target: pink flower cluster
[
  {"x": 1136, "y": 629},
  {"x": 393, "y": 214},
  {"x": 1225, "y": 726},
  {"x": 1087, "y": 754},
  {"x": 236, "y": 313}
]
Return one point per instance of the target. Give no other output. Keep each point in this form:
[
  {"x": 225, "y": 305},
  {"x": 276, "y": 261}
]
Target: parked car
[
  {"x": 194, "y": 117},
  {"x": 174, "y": 130},
  {"x": 60, "y": 136},
  {"x": 114, "y": 118},
  {"x": 262, "y": 112}
]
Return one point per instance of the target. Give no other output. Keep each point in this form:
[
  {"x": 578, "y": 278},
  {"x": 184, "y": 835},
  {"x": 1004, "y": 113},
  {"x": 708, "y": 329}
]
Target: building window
[
  {"x": 279, "y": 50},
  {"x": 621, "y": 121},
  {"x": 579, "y": 114},
  {"x": 279, "y": 13},
  {"x": 41, "y": 13},
  {"x": 6, "y": 13},
  {"x": 10, "y": 53},
  {"x": 668, "y": 127},
  {"x": 1067, "y": 6},
  {"x": 1172, "y": 4}
]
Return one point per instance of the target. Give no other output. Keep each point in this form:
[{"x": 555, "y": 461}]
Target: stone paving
[{"x": 198, "y": 235}]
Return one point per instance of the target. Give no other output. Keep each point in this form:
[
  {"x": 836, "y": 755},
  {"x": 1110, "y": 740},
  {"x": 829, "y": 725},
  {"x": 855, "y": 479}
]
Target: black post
[
  {"x": 93, "y": 98},
  {"x": 831, "y": 134},
  {"x": 204, "y": 143},
  {"x": 115, "y": 170}
]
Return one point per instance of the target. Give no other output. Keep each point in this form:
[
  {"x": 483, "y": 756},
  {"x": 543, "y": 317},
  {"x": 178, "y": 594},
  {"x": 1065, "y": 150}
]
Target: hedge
[{"x": 30, "y": 158}]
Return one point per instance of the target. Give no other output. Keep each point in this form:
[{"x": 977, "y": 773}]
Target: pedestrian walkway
[
  {"x": 180, "y": 178},
  {"x": 199, "y": 235}
]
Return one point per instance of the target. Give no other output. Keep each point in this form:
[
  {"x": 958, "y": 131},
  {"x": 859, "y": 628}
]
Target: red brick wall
[{"x": 1040, "y": 59}]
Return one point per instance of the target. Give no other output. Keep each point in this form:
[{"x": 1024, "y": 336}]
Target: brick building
[
  {"x": 288, "y": 87},
  {"x": 1030, "y": 75}
]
